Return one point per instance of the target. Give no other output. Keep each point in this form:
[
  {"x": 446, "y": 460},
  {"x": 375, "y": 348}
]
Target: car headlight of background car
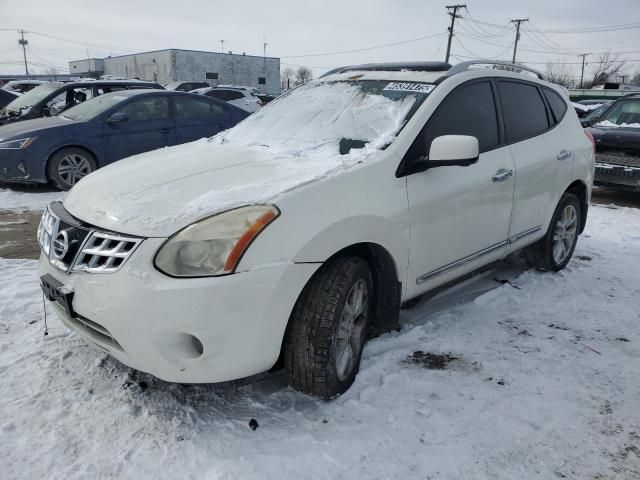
[
  {"x": 18, "y": 144},
  {"x": 215, "y": 245}
]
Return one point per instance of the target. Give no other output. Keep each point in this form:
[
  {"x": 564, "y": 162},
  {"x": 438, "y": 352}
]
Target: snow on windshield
[{"x": 320, "y": 115}]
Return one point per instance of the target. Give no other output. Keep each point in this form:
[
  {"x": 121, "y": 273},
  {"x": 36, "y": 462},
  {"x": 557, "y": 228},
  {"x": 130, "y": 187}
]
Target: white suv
[
  {"x": 245, "y": 98},
  {"x": 307, "y": 225}
]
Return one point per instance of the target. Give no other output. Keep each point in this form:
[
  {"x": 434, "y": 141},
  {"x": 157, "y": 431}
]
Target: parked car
[
  {"x": 63, "y": 149},
  {"x": 591, "y": 117},
  {"x": 6, "y": 97},
  {"x": 22, "y": 86},
  {"x": 56, "y": 97},
  {"x": 186, "y": 86},
  {"x": 242, "y": 97},
  {"x": 617, "y": 135},
  {"x": 266, "y": 98},
  {"x": 293, "y": 234}
]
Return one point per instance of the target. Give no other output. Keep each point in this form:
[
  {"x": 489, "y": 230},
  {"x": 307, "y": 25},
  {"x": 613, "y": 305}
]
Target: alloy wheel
[
  {"x": 351, "y": 329},
  {"x": 564, "y": 235},
  {"x": 73, "y": 167}
]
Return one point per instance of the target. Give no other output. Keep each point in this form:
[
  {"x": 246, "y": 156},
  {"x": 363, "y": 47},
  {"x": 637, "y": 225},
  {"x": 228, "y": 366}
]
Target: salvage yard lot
[{"x": 511, "y": 374}]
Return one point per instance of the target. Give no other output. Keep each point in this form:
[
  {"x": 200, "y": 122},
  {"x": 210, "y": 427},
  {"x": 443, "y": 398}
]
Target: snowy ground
[
  {"x": 545, "y": 385},
  {"x": 26, "y": 197}
]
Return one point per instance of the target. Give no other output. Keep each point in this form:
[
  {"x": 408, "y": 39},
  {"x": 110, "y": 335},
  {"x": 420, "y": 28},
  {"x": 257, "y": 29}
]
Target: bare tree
[
  {"x": 303, "y": 75},
  {"x": 560, "y": 74},
  {"x": 635, "y": 79},
  {"x": 607, "y": 66},
  {"x": 287, "y": 77}
]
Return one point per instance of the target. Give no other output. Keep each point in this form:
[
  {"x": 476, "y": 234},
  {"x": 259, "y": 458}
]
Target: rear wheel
[
  {"x": 555, "y": 249},
  {"x": 328, "y": 329},
  {"x": 68, "y": 166}
]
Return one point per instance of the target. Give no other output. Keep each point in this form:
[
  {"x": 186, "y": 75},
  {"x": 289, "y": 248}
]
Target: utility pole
[
  {"x": 583, "y": 55},
  {"x": 452, "y": 10},
  {"x": 24, "y": 44},
  {"x": 517, "y": 21},
  {"x": 222, "y": 46}
]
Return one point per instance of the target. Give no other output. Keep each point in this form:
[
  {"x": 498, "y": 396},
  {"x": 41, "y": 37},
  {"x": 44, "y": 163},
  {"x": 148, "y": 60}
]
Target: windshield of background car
[
  {"x": 90, "y": 109},
  {"x": 327, "y": 113},
  {"x": 622, "y": 113},
  {"x": 32, "y": 97}
]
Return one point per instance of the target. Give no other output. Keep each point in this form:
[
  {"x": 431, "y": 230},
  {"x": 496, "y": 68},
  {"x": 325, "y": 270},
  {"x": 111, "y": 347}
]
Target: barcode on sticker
[{"x": 410, "y": 87}]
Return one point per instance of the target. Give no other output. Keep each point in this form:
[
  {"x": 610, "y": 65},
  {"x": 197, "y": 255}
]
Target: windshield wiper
[{"x": 348, "y": 144}]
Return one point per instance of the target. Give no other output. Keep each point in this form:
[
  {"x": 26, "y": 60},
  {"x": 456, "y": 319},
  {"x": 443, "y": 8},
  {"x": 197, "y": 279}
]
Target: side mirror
[
  {"x": 118, "y": 117},
  {"x": 46, "y": 112},
  {"x": 450, "y": 150}
]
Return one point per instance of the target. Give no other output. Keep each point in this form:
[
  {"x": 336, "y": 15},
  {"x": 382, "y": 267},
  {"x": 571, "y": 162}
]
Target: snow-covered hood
[{"x": 157, "y": 193}]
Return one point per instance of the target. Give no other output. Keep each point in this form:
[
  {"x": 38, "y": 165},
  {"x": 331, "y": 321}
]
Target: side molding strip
[{"x": 475, "y": 256}]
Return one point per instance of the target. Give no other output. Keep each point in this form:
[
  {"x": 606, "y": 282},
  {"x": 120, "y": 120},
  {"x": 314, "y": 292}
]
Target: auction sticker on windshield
[{"x": 410, "y": 87}]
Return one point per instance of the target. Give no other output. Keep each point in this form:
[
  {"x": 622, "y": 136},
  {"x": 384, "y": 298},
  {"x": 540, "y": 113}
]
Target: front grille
[
  {"x": 73, "y": 246},
  {"x": 104, "y": 253}
]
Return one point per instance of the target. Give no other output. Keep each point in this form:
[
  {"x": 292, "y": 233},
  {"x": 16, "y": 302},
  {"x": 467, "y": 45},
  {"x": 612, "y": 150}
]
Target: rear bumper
[{"x": 620, "y": 175}]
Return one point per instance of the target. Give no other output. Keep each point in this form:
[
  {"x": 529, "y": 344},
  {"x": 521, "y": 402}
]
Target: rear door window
[
  {"x": 147, "y": 108},
  {"x": 557, "y": 104},
  {"x": 523, "y": 110},
  {"x": 193, "y": 107}
]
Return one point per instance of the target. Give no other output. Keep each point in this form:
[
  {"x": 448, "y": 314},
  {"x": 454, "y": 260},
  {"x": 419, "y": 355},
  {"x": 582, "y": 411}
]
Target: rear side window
[
  {"x": 147, "y": 108},
  {"x": 468, "y": 110},
  {"x": 188, "y": 107},
  {"x": 523, "y": 110},
  {"x": 557, "y": 104}
]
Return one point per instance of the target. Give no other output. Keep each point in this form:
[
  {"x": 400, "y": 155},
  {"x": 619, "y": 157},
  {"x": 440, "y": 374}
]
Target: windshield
[
  {"x": 94, "y": 107},
  {"x": 32, "y": 97},
  {"x": 597, "y": 112},
  {"x": 329, "y": 114},
  {"x": 622, "y": 114}
]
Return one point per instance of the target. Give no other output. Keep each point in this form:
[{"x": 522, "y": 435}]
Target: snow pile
[
  {"x": 607, "y": 123},
  {"x": 540, "y": 382},
  {"x": 586, "y": 108},
  {"x": 26, "y": 198}
]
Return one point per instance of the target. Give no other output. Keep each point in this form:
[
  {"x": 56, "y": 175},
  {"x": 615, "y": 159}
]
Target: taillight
[{"x": 590, "y": 137}]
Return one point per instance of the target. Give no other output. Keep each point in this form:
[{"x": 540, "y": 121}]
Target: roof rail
[
  {"x": 393, "y": 67},
  {"x": 493, "y": 64}
]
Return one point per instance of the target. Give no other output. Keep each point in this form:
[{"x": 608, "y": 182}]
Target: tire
[
  {"x": 67, "y": 166},
  {"x": 315, "y": 345},
  {"x": 542, "y": 254}
]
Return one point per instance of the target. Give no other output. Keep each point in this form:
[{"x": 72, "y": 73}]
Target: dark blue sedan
[{"x": 63, "y": 149}]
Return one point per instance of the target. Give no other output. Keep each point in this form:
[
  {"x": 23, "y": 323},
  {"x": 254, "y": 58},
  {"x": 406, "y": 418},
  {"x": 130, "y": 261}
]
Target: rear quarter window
[
  {"x": 523, "y": 110},
  {"x": 557, "y": 104}
]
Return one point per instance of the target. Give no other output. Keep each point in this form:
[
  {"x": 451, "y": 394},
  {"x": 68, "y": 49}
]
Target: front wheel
[
  {"x": 555, "y": 249},
  {"x": 328, "y": 328},
  {"x": 68, "y": 166}
]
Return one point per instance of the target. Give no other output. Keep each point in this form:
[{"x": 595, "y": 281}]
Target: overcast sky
[{"x": 293, "y": 28}]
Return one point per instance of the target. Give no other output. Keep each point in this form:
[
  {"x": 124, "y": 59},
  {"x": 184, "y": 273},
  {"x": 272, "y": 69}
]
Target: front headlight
[
  {"x": 45, "y": 230},
  {"x": 215, "y": 245},
  {"x": 17, "y": 144}
]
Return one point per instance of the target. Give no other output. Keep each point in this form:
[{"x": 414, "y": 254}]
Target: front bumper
[
  {"x": 13, "y": 166},
  {"x": 149, "y": 321}
]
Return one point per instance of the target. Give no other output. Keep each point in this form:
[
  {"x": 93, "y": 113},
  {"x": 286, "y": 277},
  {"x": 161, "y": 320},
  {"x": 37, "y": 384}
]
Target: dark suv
[
  {"x": 617, "y": 137},
  {"x": 53, "y": 98}
]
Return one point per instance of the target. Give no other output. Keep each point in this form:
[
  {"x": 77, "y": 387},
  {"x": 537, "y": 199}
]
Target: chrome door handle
[
  {"x": 564, "y": 154},
  {"x": 502, "y": 175}
]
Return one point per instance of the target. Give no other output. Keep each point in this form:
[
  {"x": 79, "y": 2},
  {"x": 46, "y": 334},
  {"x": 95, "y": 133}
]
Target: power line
[{"x": 365, "y": 48}]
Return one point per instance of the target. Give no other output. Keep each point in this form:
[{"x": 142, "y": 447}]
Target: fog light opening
[{"x": 196, "y": 345}]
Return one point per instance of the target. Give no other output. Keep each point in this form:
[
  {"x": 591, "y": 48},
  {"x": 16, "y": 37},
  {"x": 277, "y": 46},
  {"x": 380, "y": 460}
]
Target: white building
[{"x": 170, "y": 65}]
